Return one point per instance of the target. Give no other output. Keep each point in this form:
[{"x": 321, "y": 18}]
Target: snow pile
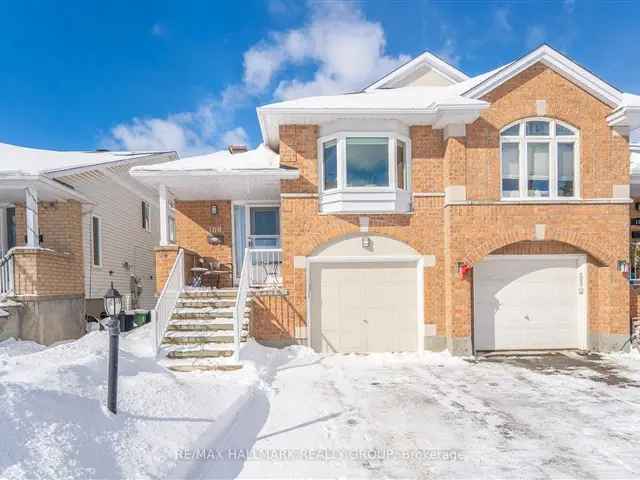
[{"x": 54, "y": 422}]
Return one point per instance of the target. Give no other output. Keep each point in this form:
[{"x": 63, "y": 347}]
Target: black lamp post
[{"x": 113, "y": 307}]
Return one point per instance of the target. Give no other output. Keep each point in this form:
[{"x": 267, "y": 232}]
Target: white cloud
[
  {"x": 346, "y": 50},
  {"x": 502, "y": 20},
  {"x": 187, "y": 132},
  {"x": 235, "y": 136}
]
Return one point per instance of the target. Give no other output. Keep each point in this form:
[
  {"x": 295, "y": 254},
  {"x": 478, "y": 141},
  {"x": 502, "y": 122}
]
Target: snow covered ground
[
  {"x": 404, "y": 416},
  {"x": 53, "y": 422},
  {"x": 293, "y": 413}
]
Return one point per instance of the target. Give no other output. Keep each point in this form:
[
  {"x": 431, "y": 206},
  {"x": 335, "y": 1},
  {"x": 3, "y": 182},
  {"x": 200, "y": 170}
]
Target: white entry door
[
  {"x": 530, "y": 302},
  {"x": 364, "y": 307}
]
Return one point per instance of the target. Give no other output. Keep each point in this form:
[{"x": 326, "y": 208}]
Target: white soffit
[
  {"x": 422, "y": 64},
  {"x": 560, "y": 64}
]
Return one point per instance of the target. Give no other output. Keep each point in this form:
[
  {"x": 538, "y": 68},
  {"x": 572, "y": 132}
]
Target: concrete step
[
  {"x": 206, "y": 303},
  {"x": 200, "y": 337},
  {"x": 197, "y": 324},
  {"x": 200, "y": 351},
  {"x": 210, "y": 313},
  {"x": 217, "y": 293},
  {"x": 185, "y": 368}
]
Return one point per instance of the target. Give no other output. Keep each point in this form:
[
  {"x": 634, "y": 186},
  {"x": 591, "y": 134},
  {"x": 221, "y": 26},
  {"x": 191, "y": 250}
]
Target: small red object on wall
[{"x": 463, "y": 269}]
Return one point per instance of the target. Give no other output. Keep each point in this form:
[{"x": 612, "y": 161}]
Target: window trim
[
  {"x": 341, "y": 167},
  {"x": 553, "y": 140},
  {"x": 100, "y": 242}
]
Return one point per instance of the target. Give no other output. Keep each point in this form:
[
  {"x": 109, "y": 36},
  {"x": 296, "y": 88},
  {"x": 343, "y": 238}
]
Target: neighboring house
[
  {"x": 70, "y": 224},
  {"x": 429, "y": 211}
]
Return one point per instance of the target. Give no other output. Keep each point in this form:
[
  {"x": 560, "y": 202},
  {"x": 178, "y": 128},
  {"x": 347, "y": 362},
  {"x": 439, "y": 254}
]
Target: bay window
[
  {"x": 364, "y": 172},
  {"x": 539, "y": 160}
]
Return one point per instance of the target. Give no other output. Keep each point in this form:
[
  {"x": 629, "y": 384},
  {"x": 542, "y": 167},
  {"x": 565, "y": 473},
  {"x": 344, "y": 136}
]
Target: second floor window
[
  {"x": 539, "y": 160},
  {"x": 359, "y": 161}
]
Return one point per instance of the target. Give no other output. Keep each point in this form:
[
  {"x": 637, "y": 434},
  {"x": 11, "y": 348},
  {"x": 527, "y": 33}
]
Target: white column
[
  {"x": 33, "y": 236},
  {"x": 164, "y": 215},
  {"x": 3, "y": 231}
]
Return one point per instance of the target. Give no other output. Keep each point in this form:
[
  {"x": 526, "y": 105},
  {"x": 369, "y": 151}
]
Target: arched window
[{"x": 539, "y": 159}]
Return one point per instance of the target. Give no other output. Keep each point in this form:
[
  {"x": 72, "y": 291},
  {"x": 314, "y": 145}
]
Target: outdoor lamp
[
  {"x": 112, "y": 301},
  {"x": 113, "y": 307}
]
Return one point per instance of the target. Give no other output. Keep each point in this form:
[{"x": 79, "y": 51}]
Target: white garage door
[
  {"x": 530, "y": 302},
  {"x": 364, "y": 307}
]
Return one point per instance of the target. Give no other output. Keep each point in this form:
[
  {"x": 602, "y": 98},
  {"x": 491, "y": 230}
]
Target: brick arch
[
  {"x": 481, "y": 249},
  {"x": 320, "y": 246}
]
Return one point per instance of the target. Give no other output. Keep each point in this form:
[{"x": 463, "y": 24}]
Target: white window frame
[
  {"x": 341, "y": 167},
  {"x": 100, "y": 242},
  {"x": 552, "y": 139},
  {"x": 146, "y": 214}
]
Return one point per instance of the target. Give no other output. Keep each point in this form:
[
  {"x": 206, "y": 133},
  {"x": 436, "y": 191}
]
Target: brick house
[
  {"x": 70, "y": 224},
  {"x": 429, "y": 211}
]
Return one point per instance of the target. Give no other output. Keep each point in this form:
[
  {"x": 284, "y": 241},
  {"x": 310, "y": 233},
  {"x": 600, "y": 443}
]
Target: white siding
[{"x": 124, "y": 239}]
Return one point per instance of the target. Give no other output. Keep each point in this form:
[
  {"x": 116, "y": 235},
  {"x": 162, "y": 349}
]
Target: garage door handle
[
  {"x": 526, "y": 317},
  {"x": 365, "y": 321}
]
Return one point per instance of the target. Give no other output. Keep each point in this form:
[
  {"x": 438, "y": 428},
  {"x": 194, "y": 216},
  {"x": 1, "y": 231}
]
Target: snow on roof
[
  {"x": 262, "y": 158},
  {"x": 403, "y": 98},
  {"x": 33, "y": 161}
]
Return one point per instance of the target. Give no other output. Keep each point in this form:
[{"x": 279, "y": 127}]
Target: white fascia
[
  {"x": 557, "y": 62},
  {"x": 17, "y": 180},
  {"x": 625, "y": 119},
  {"x": 440, "y": 66}
]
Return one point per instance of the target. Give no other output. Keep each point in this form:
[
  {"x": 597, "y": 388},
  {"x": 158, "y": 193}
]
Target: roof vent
[
  {"x": 233, "y": 149},
  {"x": 102, "y": 150}
]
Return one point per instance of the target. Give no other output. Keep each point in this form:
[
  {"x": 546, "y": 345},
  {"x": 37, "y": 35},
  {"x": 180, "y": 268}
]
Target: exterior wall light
[
  {"x": 366, "y": 242},
  {"x": 214, "y": 209}
]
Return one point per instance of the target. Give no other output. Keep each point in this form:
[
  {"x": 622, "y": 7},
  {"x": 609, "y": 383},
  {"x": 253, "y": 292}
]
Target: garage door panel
[
  {"x": 526, "y": 303},
  {"x": 364, "y": 307}
]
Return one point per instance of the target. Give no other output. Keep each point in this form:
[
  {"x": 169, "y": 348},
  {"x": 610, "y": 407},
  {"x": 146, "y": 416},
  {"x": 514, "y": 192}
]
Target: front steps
[{"x": 200, "y": 334}]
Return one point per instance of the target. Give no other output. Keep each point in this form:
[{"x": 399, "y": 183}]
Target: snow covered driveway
[{"x": 433, "y": 417}]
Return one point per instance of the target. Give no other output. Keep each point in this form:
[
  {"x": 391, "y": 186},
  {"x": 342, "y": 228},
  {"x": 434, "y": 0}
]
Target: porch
[
  {"x": 220, "y": 208},
  {"x": 40, "y": 238}
]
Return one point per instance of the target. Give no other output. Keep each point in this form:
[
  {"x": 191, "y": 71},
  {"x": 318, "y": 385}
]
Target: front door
[
  {"x": 256, "y": 227},
  {"x": 264, "y": 227}
]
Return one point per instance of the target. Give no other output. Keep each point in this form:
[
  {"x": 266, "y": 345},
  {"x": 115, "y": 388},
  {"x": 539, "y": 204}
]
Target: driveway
[{"x": 401, "y": 415}]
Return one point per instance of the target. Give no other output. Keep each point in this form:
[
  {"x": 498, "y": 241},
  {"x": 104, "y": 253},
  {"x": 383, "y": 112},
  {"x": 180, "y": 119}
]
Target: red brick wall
[
  {"x": 604, "y": 155},
  {"x": 470, "y": 232},
  {"x": 194, "y": 222},
  {"x": 60, "y": 272}
]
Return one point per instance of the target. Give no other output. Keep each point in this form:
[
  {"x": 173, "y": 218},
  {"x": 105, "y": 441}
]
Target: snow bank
[{"x": 55, "y": 425}]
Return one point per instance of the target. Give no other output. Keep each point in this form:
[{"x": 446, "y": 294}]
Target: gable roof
[
  {"x": 53, "y": 163},
  {"x": 261, "y": 158},
  {"x": 558, "y": 62},
  {"x": 424, "y": 61}
]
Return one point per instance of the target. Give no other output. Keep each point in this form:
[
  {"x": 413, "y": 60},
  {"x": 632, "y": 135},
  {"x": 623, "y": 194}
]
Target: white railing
[
  {"x": 241, "y": 303},
  {"x": 161, "y": 315},
  {"x": 265, "y": 266},
  {"x": 6, "y": 273}
]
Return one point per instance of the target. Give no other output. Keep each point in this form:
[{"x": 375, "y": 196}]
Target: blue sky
[{"x": 188, "y": 75}]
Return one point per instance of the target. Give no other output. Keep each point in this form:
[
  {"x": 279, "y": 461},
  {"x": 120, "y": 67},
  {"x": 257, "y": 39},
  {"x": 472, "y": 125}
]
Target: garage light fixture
[{"x": 214, "y": 209}]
